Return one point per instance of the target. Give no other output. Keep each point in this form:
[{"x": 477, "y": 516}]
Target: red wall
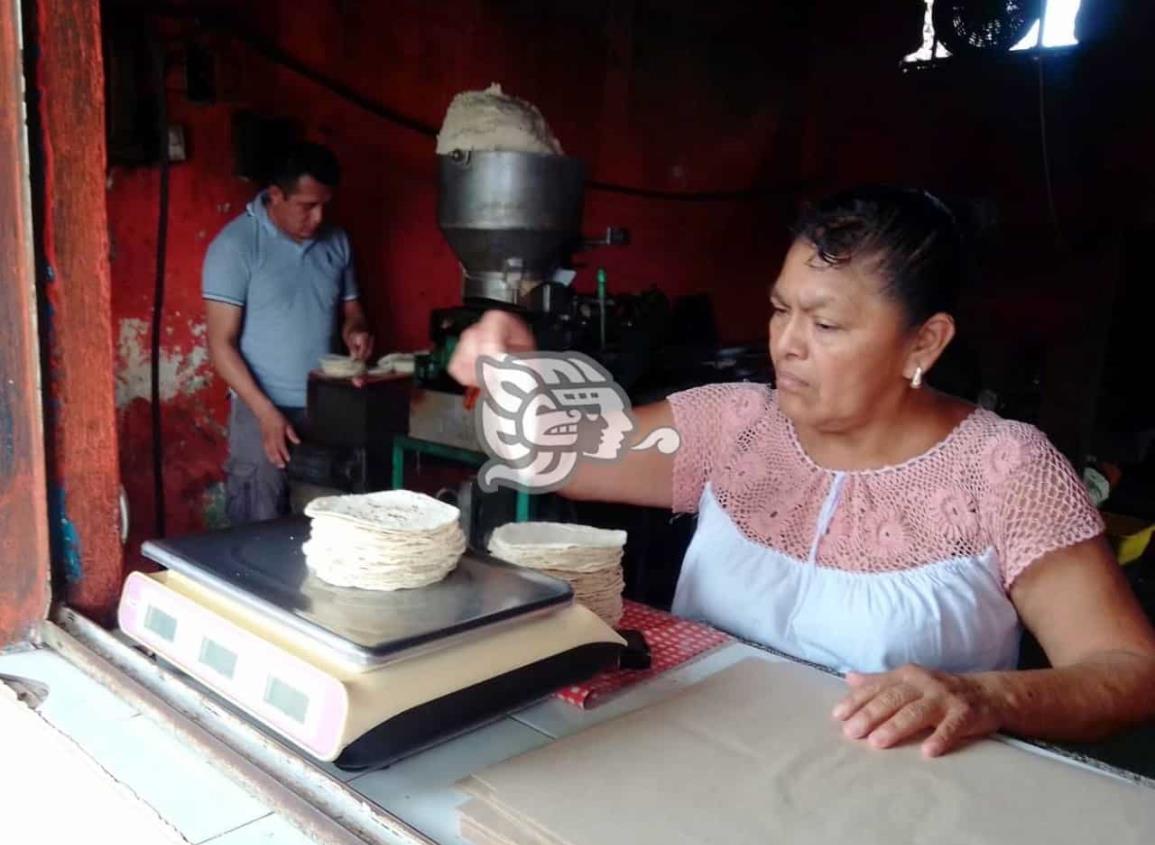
[
  {"x": 69, "y": 215},
  {"x": 681, "y": 96},
  {"x": 203, "y": 197},
  {"x": 24, "y": 552},
  {"x": 609, "y": 97}
]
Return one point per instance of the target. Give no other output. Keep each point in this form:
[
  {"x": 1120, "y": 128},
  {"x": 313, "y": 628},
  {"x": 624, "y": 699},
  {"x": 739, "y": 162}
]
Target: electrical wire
[
  {"x": 280, "y": 57},
  {"x": 340, "y": 89},
  {"x": 158, "y": 296},
  {"x": 686, "y": 196},
  {"x": 1044, "y": 147},
  {"x": 286, "y": 60}
]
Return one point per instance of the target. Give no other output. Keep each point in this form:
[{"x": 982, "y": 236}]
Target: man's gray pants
[{"x": 255, "y": 489}]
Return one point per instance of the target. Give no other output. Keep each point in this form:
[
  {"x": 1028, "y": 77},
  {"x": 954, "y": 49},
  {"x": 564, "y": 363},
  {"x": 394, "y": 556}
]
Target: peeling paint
[
  {"x": 213, "y": 506},
  {"x": 24, "y": 545},
  {"x": 7, "y": 432},
  {"x": 182, "y": 373},
  {"x": 64, "y": 531}
]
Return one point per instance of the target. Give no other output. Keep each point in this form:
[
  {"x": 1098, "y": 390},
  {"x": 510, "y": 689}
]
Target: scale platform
[
  {"x": 262, "y": 565},
  {"x": 353, "y": 676}
]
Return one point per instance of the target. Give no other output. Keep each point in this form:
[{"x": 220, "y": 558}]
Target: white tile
[
  {"x": 420, "y": 789},
  {"x": 76, "y": 704},
  {"x": 270, "y": 830},
  {"x": 558, "y": 718},
  {"x": 192, "y": 793}
]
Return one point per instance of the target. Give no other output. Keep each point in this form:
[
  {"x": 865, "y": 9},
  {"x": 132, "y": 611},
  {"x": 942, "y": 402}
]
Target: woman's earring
[{"x": 916, "y": 379}]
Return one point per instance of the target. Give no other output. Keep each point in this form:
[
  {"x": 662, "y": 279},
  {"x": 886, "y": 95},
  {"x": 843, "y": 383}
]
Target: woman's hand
[
  {"x": 889, "y": 708},
  {"x": 496, "y": 333}
]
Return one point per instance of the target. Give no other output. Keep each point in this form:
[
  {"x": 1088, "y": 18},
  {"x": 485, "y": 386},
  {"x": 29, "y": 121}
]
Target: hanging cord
[
  {"x": 278, "y": 56},
  {"x": 158, "y": 294},
  {"x": 1044, "y": 146},
  {"x": 282, "y": 58}
]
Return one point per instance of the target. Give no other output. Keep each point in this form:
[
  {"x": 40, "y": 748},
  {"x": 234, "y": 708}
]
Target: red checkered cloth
[{"x": 672, "y": 642}]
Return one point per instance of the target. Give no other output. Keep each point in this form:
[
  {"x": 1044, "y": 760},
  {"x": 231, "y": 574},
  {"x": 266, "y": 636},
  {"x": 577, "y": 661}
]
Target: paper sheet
[
  {"x": 484, "y": 824},
  {"x": 751, "y": 755}
]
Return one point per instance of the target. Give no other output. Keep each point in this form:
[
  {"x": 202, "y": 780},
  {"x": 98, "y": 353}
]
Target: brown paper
[
  {"x": 483, "y": 823},
  {"x": 751, "y": 755}
]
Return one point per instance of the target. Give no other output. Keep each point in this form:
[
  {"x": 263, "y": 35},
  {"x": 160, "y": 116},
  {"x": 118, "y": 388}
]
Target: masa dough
[{"x": 492, "y": 120}]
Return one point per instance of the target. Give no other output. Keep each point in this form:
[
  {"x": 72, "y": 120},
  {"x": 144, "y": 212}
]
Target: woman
[{"x": 859, "y": 519}]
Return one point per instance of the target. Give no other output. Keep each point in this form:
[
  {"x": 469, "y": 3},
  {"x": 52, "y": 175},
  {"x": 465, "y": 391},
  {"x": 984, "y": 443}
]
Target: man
[{"x": 275, "y": 281}]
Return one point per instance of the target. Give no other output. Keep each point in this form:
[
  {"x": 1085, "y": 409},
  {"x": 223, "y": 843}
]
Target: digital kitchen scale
[{"x": 358, "y": 677}]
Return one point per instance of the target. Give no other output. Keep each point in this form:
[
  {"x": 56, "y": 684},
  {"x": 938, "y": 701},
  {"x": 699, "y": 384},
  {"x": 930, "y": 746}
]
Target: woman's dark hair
[
  {"x": 305, "y": 159},
  {"x": 906, "y": 235}
]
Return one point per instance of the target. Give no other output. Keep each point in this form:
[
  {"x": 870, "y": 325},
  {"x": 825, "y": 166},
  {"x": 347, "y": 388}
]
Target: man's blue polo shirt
[{"x": 290, "y": 292}]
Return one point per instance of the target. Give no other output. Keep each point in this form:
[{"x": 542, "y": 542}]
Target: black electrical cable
[
  {"x": 280, "y": 57},
  {"x": 158, "y": 294},
  {"x": 685, "y": 196},
  {"x": 1044, "y": 146}
]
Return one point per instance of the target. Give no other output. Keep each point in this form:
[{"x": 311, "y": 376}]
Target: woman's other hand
[
  {"x": 892, "y": 707},
  {"x": 496, "y": 333}
]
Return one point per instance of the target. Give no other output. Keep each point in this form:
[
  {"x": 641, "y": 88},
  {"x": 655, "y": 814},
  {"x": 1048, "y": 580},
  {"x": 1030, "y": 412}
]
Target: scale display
[
  {"x": 160, "y": 623},
  {"x": 289, "y": 700},
  {"x": 283, "y": 691},
  {"x": 358, "y": 716},
  {"x": 218, "y": 658},
  {"x": 262, "y": 565}
]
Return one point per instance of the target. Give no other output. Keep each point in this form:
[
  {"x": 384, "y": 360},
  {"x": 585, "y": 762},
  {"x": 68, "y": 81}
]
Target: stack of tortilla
[
  {"x": 342, "y": 366},
  {"x": 393, "y": 540},
  {"x": 589, "y": 558}
]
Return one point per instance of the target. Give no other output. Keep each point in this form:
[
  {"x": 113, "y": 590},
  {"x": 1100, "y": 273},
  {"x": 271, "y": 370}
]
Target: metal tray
[{"x": 263, "y": 566}]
